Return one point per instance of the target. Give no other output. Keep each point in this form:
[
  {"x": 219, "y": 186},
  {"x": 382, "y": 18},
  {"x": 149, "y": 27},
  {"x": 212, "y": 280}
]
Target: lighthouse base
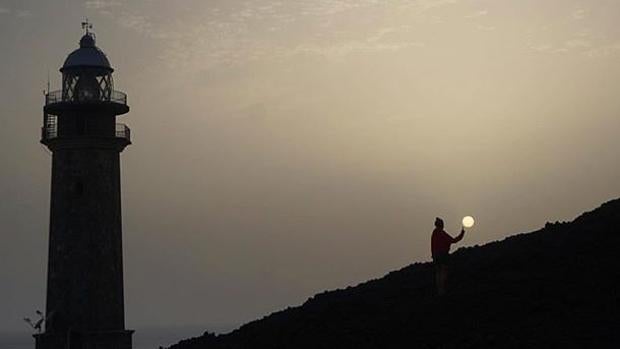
[{"x": 84, "y": 340}]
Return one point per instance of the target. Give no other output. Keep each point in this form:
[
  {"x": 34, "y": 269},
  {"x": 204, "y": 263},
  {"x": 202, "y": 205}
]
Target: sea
[{"x": 145, "y": 338}]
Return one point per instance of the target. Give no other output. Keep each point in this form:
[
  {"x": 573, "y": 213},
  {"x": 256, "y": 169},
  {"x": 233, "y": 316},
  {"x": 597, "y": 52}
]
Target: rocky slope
[{"x": 556, "y": 287}]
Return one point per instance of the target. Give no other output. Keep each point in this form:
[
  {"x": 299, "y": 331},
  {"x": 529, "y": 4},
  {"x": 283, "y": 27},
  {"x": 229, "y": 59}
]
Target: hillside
[{"x": 556, "y": 287}]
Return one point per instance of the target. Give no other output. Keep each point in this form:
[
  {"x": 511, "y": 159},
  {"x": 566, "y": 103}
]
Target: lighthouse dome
[{"x": 88, "y": 55}]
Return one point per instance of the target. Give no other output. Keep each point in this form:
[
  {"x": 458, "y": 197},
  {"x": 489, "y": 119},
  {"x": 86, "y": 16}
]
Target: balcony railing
[
  {"x": 124, "y": 132},
  {"x": 50, "y": 132},
  {"x": 60, "y": 97}
]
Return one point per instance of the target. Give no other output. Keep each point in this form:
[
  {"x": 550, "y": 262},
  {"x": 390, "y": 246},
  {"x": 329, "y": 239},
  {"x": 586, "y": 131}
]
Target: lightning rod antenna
[{"x": 87, "y": 26}]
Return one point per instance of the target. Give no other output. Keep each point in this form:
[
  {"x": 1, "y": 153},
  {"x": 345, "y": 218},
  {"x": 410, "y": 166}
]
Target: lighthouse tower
[{"x": 85, "y": 306}]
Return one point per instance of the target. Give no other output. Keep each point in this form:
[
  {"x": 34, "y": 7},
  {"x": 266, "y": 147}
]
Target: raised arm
[{"x": 460, "y": 237}]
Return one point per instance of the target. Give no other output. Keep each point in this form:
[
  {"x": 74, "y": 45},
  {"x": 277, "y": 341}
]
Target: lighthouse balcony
[
  {"x": 49, "y": 132},
  {"x": 62, "y": 100}
]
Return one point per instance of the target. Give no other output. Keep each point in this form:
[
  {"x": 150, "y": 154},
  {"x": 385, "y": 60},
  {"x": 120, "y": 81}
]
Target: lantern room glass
[{"x": 87, "y": 84}]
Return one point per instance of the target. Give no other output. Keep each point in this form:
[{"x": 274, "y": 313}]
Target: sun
[{"x": 468, "y": 221}]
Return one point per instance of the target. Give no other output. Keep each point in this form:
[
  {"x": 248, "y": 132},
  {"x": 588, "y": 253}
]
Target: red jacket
[{"x": 441, "y": 241}]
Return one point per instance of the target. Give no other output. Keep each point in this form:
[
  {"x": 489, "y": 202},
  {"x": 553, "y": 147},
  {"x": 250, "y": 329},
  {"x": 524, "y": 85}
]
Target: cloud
[
  {"x": 332, "y": 7},
  {"x": 485, "y": 28},
  {"x": 139, "y": 23},
  {"x": 101, "y": 4},
  {"x": 382, "y": 33},
  {"x": 430, "y": 4},
  {"x": 579, "y": 14},
  {"x": 603, "y": 51},
  {"x": 23, "y": 14},
  {"x": 577, "y": 43},
  {"x": 341, "y": 50},
  {"x": 240, "y": 31},
  {"x": 541, "y": 47},
  {"x": 18, "y": 13},
  {"x": 477, "y": 14}
]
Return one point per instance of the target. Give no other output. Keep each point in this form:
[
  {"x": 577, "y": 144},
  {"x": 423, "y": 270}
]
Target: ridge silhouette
[{"x": 555, "y": 287}]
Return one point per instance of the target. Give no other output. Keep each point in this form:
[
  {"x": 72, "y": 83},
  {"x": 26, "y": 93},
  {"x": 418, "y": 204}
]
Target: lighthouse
[{"x": 85, "y": 302}]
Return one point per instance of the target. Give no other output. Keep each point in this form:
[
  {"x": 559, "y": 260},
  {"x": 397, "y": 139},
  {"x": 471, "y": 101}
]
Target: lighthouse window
[{"x": 88, "y": 87}]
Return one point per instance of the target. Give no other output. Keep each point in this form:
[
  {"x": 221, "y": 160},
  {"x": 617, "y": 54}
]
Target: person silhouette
[{"x": 440, "y": 250}]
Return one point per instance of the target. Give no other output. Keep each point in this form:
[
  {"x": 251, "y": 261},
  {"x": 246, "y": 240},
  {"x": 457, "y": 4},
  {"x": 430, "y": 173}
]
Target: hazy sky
[{"x": 282, "y": 148}]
